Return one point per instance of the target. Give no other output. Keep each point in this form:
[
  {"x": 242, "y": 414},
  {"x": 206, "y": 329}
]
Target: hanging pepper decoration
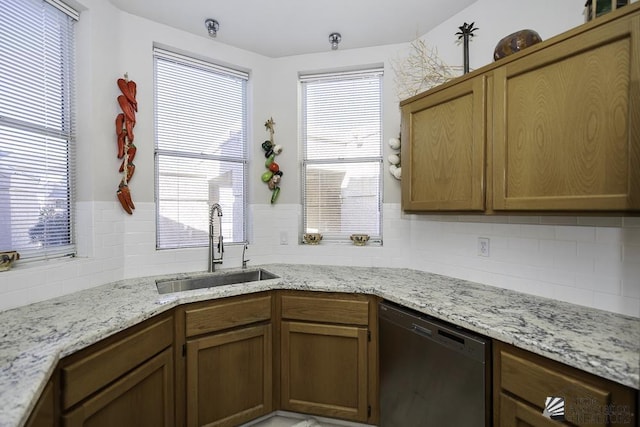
[
  {"x": 273, "y": 174},
  {"x": 466, "y": 32},
  {"x": 125, "y": 123}
]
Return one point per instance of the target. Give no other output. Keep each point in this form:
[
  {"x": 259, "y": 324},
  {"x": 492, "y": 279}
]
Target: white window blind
[
  {"x": 342, "y": 154},
  {"x": 36, "y": 129},
  {"x": 201, "y": 121}
]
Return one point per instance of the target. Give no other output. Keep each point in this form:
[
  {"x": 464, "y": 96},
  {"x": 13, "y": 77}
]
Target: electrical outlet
[
  {"x": 284, "y": 238},
  {"x": 483, "y": 246}
]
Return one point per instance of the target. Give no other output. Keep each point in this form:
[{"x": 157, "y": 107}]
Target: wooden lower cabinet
[
  {"x": 143, "y": 397},
  {"x": 227, "y": 363},
  {"x": 523, "y": 382},
  {"x": 328, "y": 355},
  {"x": 324, "y": 370},
  {"x": 124, "y": 380},
  {"x": 45, "y": 413},
  {"x": 223, "y": 369},
  {"x": 229, "y": 377},
  {"x": 518, "y": 414}
]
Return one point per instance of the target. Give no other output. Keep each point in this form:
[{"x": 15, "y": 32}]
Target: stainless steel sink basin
[{"x": 221, "y": 279}]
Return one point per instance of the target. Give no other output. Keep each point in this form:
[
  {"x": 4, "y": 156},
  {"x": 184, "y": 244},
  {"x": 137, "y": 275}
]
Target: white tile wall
[
  {"x": 592, "y": 261},
  {"x": 100, "y": 241}
]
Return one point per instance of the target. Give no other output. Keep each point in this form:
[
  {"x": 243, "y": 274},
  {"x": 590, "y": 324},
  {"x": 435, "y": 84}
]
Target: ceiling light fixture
[
  {"x": 212, "y": 27},
  {"x": 334, "y": 39}
]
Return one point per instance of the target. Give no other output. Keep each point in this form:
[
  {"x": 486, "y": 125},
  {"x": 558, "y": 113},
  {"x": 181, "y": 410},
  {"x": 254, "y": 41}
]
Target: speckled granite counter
[{"x": 33, "y": 338}]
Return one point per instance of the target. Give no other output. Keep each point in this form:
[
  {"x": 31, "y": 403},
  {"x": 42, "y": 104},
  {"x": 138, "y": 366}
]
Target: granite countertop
[{"x": 35, "y": 337}]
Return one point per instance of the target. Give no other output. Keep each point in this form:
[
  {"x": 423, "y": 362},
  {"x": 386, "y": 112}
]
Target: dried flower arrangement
[{"x": 421, "y": 70}]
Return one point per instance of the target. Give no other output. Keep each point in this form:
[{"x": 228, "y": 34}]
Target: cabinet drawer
[
  {"x": 88, "y": 374},
  {"x": 532, "y": 379},
  {"x": 142, "y": 397},
  {"x": 534, "y": 383},
  {"x": 515, "y": 413},
  {"x": 325, "y": 309},
  {"x": 227, "y": 314}
]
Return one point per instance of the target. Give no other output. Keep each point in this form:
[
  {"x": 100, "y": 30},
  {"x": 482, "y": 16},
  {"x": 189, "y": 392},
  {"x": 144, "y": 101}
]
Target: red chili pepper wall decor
[{"x": 125, "y": 122}]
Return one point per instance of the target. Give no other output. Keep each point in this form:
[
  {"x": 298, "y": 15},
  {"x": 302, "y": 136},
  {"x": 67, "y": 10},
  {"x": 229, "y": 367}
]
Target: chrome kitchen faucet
[{"x": 213, "y": 260}]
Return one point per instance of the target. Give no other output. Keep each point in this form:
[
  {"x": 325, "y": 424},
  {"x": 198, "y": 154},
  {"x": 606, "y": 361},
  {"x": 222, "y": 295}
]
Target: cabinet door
[
  {"x": 517, "y": 414},
  {"x": 443, "y": 149},
  {"x": 567, "y": 124},
  {"x": 44, "y": 414},
  {"x": 143, "y": 397},
  {"x": 324, "y": 370},
  {"x": 229, "y": 377}
]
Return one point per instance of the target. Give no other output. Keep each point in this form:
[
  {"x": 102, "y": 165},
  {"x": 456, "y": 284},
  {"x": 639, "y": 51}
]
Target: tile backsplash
[{"x": 591, "y": 261}]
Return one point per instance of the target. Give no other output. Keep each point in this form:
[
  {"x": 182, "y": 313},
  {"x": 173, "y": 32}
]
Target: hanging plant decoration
[
  {"x": 125, "y": 123},
  {"x": 273, "y": 174}
]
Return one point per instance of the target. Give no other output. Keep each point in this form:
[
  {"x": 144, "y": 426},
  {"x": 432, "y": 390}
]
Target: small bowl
[
  {"x": 312, "y": 238},
  {"x": 360, "y": 239},
  {"x": 515, "y": 43},
  {"x": 7, "y": 258}
]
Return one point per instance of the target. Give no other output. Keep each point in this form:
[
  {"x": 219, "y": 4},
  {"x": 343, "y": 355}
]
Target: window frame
[
  {"x": 55, "y": 228},
  {"x": 367, "y": 72},
  {"x": 206, "y": 65}
]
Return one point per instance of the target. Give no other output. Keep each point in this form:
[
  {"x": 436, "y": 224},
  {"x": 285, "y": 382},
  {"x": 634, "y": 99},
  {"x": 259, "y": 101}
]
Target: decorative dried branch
[{"x": 421, "y": 70}]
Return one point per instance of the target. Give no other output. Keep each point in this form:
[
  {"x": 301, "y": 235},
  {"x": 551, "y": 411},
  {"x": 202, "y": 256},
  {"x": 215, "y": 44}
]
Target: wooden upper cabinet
[
  {"x": 567, "y": 124},
  {"x": 554, "y": 128},
  {"x": 443, "y": 150}
]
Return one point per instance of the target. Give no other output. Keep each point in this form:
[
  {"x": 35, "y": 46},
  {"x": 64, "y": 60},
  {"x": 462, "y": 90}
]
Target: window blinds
[
  {"x": 201, "y": 159},
  {"x": 36, "y": 129},
  {"x": 342, "y": 150}
]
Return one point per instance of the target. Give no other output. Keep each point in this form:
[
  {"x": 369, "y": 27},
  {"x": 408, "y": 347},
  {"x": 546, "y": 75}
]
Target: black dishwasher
[{"x": 431, "y": 373}]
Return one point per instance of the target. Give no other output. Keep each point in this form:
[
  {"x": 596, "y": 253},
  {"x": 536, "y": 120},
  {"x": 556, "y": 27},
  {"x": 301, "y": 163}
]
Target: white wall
[
  {"x": 592, "y": 261},
  {"x": 496, "y": 19}
]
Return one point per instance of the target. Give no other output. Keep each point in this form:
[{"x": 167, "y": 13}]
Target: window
[
  {"x": 201, "y": 121},
  {"x": 342, "y": 154},
  {"x": 36, "y": 128}
]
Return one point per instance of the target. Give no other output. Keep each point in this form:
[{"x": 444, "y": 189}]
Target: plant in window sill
[{"x": 273, "y": 174}]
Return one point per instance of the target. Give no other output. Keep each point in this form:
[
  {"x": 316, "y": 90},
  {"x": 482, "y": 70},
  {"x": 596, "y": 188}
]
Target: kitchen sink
[{"x": 211, "y": 281}]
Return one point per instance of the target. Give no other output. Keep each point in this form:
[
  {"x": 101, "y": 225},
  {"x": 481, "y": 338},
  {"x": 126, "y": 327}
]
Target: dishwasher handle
[{"x": 421, "y": 331}]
